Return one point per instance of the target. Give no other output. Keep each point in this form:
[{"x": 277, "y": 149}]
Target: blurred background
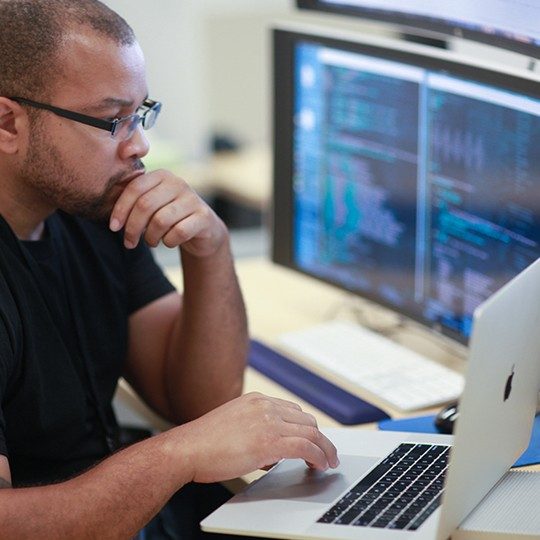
[{"x": 209, "y": 62}]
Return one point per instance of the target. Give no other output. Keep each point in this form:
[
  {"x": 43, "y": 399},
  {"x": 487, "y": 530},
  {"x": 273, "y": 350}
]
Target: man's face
[{"x": 78, "y": 168}]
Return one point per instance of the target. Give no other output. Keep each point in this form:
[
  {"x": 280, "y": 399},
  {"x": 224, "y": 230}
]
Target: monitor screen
[
  {"x": 512, "y": 24},
  {"x": 408, "y": 178}
]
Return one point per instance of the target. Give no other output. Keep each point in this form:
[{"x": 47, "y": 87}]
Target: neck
[
  {"x": 24, "y": 229},
  {"x": 36, "y": 234},
  {"x": 26, "y": 219}
]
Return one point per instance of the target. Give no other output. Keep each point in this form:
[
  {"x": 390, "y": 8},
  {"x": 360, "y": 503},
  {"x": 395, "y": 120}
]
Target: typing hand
[
  {"x": 162, "y": 207},
  {"x": 253, "y": 432}
]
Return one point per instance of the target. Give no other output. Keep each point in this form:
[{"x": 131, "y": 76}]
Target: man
[{"x": 82, "y": 302}]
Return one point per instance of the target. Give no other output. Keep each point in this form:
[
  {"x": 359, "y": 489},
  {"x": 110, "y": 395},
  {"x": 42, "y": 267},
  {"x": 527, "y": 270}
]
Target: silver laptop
[{"x": 409, "y": 485}]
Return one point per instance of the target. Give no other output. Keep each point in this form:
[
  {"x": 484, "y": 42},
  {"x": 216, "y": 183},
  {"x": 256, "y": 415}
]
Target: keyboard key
[{"x": 390, "y": 498}]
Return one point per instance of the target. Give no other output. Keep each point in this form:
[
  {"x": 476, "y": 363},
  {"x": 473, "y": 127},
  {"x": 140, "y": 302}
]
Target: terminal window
[{"x": 415, "y": 188}]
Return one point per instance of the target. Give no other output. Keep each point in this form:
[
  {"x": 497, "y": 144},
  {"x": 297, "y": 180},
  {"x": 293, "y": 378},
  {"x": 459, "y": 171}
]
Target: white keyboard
[{"x": 377, "y": 367}]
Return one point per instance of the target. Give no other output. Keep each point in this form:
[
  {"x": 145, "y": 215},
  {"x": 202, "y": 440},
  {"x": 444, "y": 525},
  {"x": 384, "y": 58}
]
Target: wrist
[
  {"x": 220, "y": 250},
  {"x": 178, "y": 455}
]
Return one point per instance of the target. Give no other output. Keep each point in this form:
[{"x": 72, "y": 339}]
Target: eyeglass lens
[
  {"x": 150, "y": 115},
  {"x": 127, "y": 127}
]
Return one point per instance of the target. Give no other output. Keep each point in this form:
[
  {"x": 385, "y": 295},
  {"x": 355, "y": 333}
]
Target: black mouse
[{"x": 446, "y": 418}]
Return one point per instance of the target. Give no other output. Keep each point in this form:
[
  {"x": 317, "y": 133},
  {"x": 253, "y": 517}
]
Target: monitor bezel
[
  {"x": 282, "y": 217},
  {"x": 425, "y": 26}
]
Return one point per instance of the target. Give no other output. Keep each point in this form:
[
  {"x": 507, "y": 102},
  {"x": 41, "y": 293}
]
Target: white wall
[{"x": 207, "y": 61}]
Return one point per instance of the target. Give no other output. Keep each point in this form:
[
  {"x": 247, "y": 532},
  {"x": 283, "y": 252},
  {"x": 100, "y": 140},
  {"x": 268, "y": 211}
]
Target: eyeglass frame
[{"x": 108, "y": 125}]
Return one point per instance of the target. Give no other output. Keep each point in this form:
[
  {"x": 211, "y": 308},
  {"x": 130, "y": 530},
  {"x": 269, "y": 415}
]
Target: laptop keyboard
[{"x": 401, "y": 492}]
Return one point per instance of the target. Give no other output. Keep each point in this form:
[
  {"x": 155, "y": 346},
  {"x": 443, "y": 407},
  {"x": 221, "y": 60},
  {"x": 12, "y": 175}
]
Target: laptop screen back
[{"x": 499, "y": 402}]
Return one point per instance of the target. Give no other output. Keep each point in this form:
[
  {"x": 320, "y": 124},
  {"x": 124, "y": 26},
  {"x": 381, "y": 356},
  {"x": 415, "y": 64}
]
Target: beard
[{"x": 60, "y": 186}]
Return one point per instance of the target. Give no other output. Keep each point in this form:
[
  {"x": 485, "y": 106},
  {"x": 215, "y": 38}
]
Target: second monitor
[{"x": 408, "y": 176}]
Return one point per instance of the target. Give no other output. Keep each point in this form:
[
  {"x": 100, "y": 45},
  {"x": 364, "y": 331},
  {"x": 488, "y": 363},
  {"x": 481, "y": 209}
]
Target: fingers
[
  {"x": 318, "y": 450},
  {"x": 136, "y": 189},
  {"x": 177, "y": 234},
  {"x": 311, "y": 452},
  {"x": 163, "y": 208},
  {"x": 152, "y": 206},
  {"x": 297, "y": 416},
  {"x": 252, "y": 432},
  {"x": 155, "y": 212},
  {"x": 301, "y": 425},
  {"x": 297, "y": 434}
]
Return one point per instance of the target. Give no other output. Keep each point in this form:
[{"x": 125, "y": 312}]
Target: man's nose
[{"x": 137, "y": 146}]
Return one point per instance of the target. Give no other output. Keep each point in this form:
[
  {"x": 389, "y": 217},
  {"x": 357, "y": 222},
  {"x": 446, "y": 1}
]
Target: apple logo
[{"x": 508, "y": 387}]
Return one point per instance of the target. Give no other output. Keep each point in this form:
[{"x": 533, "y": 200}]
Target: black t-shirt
[{"x": 64, "y": 308}]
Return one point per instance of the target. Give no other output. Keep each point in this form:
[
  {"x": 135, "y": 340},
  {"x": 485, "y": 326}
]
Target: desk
[{"x": 280, "y": 300}]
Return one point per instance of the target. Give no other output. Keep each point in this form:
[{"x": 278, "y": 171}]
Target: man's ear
[{"x": 12, "y": 120}]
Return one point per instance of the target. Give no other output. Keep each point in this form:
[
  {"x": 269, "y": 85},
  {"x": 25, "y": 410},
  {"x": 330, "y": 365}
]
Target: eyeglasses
[{"x": 119, "y": 128}]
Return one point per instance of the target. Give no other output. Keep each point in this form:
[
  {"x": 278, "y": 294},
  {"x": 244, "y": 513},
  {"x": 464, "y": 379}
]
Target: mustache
[{"x": 138, "y": 166}]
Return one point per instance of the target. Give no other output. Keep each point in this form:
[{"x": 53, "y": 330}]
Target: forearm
[
  {"x": 202, "y": 344},
  {"x": 119, "y": 496},
  {"x": 208, "y": 348},
  {"x": 115, "y": 499}
]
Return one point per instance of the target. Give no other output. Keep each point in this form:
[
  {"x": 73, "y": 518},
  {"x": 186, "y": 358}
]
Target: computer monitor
[
  {"x": 503, "y": 23},
  {"x": 403, "y": 173}
]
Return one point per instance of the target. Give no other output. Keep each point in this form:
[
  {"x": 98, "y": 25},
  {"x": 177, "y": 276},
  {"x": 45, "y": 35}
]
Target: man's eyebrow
[{"x": 109, "y": 103}]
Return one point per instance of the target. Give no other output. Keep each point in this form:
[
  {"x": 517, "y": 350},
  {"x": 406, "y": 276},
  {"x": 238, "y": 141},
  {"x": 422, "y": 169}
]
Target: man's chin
[
  {"x": 98, "y": 208},
  {"x": 95, "y": 211}
]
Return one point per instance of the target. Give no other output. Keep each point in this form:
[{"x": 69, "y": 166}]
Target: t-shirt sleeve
[{"x": 146, "y": 280}]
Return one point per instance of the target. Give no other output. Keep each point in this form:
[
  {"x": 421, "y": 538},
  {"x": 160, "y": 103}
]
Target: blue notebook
[
  {"x": 344, "y": 407},
  {"x": 424, "y": 424}
]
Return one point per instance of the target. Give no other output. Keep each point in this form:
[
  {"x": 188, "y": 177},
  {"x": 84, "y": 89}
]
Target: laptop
[{"x": 409, "y": 485}]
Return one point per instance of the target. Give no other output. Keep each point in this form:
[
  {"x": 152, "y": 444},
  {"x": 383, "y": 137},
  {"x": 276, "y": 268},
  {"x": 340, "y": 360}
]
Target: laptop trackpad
[{"x": 292, "y": 480}]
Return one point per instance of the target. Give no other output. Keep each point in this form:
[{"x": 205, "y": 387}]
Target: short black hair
[{"x": 32, "y": 33}]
